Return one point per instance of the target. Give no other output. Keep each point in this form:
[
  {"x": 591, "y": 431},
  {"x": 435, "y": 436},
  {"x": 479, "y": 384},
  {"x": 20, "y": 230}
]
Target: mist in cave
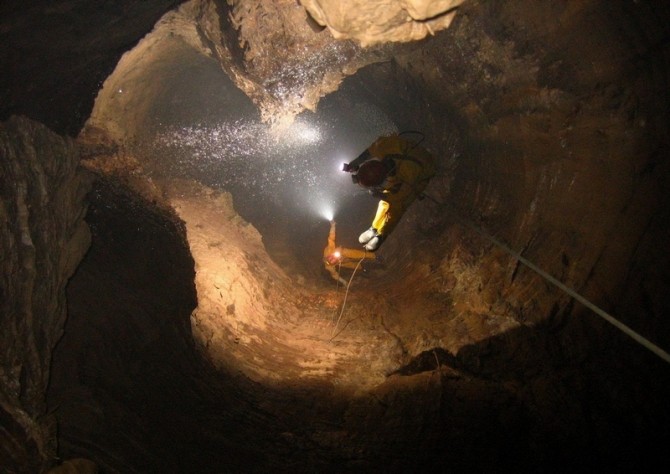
[{"x": 283, "y": 176}]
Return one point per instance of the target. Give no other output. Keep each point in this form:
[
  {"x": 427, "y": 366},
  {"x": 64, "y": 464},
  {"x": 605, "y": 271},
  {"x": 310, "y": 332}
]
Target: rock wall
[
  {"x": 43, "y": 238},
  {"x": 372, "y": 22},
  {"x": 275, "y": 57},
  {"x": 568, "y": 136}
]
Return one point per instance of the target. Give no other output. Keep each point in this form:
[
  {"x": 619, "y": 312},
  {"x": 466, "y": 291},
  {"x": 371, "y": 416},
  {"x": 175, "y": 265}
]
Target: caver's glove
[
  {"x": 374, "y": 243},
  {"x": 371, "y": 238}
]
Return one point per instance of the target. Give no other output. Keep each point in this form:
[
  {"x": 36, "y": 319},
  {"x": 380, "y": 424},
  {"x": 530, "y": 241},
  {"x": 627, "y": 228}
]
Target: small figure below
[
  {"x": 335, "y": 257},
  {"x": 396, "y": 171}
]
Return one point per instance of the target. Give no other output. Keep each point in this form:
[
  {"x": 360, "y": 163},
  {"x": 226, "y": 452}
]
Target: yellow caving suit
[
  {"x": 349, "y": 257},
  {"x": 414, "y": 167}
]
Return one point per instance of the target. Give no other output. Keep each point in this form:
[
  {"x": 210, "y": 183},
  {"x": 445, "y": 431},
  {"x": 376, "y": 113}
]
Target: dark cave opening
[{"x": 127, "y": 375}]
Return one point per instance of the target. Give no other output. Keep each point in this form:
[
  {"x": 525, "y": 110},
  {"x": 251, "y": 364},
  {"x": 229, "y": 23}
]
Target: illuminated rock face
[
  {"x": 373, "y": 22},
  {"x": 189, "y": 347}
]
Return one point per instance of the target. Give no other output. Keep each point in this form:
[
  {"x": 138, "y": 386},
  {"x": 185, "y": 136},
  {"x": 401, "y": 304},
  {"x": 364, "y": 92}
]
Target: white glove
[
  {"x": 366, "y": 236},
  {"x": 374, "y": 243}
]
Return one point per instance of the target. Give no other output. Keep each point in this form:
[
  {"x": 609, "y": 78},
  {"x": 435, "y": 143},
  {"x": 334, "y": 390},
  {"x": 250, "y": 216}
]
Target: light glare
[
  {"x": 307, "y": 133},
  {"x": 327, "y": 213}
]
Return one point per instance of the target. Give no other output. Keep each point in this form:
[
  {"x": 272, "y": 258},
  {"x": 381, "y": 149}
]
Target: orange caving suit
[
  {"x": 349, "y": 257},
  {"x": 414, "y": 167}
]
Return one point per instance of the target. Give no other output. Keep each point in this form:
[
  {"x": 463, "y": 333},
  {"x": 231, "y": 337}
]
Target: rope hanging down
[
  {"x": 346, "y": 293},
  {"x": 603, "y": 314}
]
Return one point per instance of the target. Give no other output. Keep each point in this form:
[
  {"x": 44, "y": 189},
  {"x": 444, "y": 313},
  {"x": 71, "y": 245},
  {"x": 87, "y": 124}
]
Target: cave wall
[
  {"x": 43, "y": 239},
  {"x": 372, "y": 22},
  {"x": 118, "y": 382},
  {"x": 54, "y": 58}
]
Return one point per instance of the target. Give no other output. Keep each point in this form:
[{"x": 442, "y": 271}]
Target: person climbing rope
[
  {"x": 395, "y": 170},
  {"x": 335, "y": 257}
]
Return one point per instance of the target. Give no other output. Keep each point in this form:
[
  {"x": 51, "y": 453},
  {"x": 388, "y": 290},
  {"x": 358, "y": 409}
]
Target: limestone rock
[
  {"x": 372, "y": 22},
  {"x": 43, "y": 239}
]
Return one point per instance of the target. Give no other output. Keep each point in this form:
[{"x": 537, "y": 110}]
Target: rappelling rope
[
  {"x": 603, "y": 314},
  {"x": 346, "y": 293}
]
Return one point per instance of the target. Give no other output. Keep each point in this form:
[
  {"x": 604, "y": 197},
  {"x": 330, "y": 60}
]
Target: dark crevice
[{"x": 432, "y": 359}]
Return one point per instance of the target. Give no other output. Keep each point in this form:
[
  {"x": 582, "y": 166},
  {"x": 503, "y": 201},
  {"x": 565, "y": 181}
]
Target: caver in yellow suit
[
  {"x": 335, "y": 257},
  {"x": 397, "y": 171}
]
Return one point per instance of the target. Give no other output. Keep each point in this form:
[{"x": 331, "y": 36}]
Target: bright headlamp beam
[{"x": 327, "y": 213}]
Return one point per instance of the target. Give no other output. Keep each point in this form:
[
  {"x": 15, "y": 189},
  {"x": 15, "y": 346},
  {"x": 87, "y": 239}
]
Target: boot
[{"x": 365, "y": 237}]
